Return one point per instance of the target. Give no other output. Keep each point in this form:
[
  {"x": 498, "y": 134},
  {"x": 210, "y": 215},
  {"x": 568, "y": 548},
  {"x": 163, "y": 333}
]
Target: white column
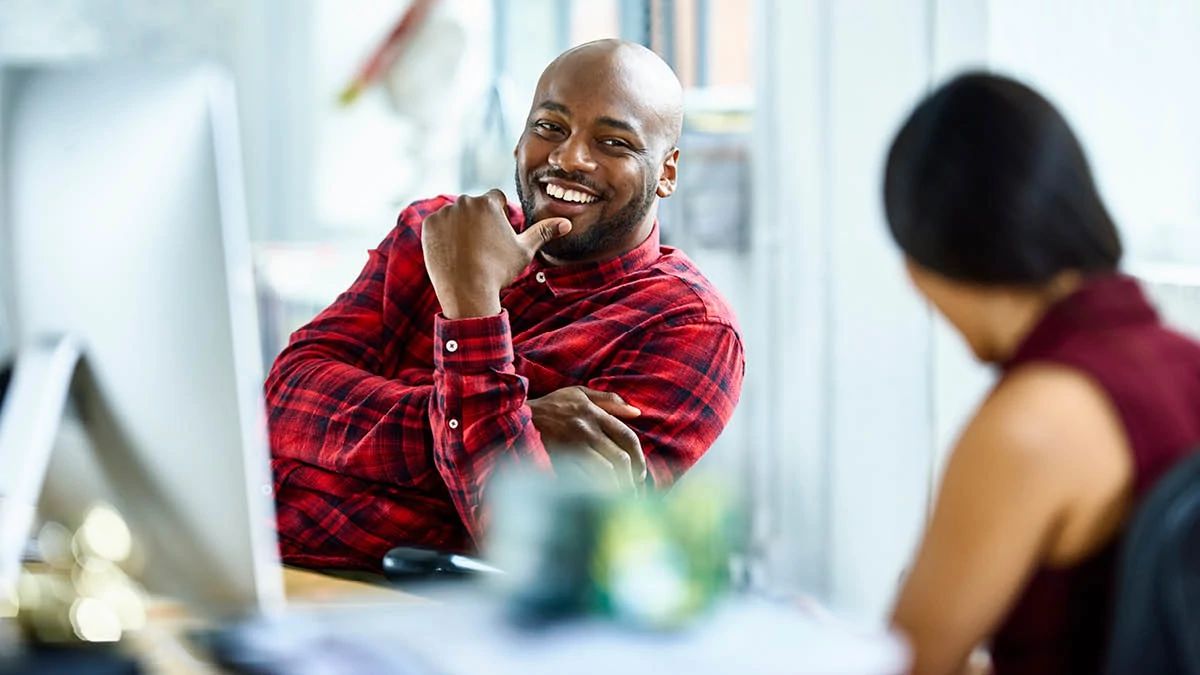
[
  {"x": 847, "y": 364},
  {"x": 8, "y": 331},
  {"x": 880, "y": 443},
  {"x": 787, "y": 358}
]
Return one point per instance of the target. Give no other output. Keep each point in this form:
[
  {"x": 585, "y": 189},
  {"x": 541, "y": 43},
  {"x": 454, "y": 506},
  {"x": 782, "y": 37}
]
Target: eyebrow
[
  {"x": 556, "y": 107},
  {"x": 617, "y": 124},
  {"x": 606, "y": 121}
]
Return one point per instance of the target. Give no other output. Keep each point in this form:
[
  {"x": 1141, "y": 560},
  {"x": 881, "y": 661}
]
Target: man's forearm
[
  {"x": 479, "y": 411},
  {"x": 338, "y": 417}
]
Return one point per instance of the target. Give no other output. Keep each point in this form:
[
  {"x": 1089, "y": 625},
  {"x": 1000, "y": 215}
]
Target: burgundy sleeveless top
[{"x": 1107, "y": 330}]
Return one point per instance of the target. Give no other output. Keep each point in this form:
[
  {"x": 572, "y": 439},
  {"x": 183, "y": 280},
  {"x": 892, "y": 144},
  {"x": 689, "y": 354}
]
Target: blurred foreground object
[
  {"x": 570, "y": 548},
  {"x": 81, "y": 594}
]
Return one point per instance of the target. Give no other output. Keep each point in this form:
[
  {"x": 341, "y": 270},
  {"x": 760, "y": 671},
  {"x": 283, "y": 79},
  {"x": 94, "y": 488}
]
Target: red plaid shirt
[{"x": 386, "y": 418}]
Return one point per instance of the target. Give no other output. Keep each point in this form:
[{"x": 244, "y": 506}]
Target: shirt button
[
  {"x": 453, "y": 424},
  {"x": 452, "y": 345},
  {"x": 541, "y": 277}
]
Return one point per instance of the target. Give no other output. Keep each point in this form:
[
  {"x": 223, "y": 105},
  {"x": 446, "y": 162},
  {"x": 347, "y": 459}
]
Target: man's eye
[
  {"x": 615, "y": 143},
  {"x": 548, "y": 126}
]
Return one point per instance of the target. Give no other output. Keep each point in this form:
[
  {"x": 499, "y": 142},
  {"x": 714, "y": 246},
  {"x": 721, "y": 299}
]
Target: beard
[{"x": 604, "y": 234}]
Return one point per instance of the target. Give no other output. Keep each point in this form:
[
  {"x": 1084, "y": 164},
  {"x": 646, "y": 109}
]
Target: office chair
[{"x": 1156, "y": 623}]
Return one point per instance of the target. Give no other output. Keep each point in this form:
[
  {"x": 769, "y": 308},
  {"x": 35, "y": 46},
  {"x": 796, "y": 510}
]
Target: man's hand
[
  {"x": 587, "y": 423},
  {"x": 472, "y": 252}
]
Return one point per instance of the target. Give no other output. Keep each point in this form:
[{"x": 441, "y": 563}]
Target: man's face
[{"x": 592, "y": 154}]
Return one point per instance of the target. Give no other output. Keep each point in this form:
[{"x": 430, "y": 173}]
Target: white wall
[
  {"x": 1125, "y": 74},
  {"x": 880, "y": 444},
  {"x": 791, "y": 521},
  {"x": 846, "y": 363},
  {"x": 272, "y": 65},
  {"x": 7, "y": 330}
]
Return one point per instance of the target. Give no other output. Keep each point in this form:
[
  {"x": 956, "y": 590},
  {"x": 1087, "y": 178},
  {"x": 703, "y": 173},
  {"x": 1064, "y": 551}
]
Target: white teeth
[{"x": 568, "y": 195}]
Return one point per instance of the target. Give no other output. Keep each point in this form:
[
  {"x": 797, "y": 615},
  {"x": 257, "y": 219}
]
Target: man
[{"x": 478, "y": 333}]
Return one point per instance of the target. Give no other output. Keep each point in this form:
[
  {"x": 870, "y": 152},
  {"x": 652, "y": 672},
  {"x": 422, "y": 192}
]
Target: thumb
[{"x": 537, "y": 235}]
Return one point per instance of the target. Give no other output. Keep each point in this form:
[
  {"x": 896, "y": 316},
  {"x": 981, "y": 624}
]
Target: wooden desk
[{"x": 308, "y": 587}]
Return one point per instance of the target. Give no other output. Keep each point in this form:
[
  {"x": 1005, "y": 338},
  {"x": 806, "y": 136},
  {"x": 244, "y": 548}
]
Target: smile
[{"x": 566, "y": 195}]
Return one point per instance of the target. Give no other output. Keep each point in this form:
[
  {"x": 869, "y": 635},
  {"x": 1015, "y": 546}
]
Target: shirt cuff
[{"x": 472, "y": 345}]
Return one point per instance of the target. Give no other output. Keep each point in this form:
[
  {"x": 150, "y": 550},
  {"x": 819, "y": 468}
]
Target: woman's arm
[{"x": 1043, "y": 458}]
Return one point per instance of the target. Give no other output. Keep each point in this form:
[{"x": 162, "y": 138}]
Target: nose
[{"x": 572, "y": 155}]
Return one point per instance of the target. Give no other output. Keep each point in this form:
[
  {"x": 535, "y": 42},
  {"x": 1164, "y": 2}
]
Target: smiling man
[{"x": 478, "y": 332}]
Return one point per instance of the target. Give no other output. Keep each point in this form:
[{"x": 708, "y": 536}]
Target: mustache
[{"x": 569, "y": 176}]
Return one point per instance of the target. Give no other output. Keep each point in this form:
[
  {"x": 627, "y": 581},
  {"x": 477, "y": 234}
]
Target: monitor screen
[{"x": 125, "y": 228}]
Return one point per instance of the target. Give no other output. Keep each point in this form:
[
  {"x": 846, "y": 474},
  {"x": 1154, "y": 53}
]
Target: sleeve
[
  {"x": 685, "y": 377},
  {"x": 328, "y": 401},
  {"x": 480, "y": 411}
]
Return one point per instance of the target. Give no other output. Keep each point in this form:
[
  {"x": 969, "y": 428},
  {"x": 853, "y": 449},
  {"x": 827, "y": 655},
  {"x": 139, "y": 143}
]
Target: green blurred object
[
  {"x": 663, "y": 559},
  {"x": 572, "y": 549}
]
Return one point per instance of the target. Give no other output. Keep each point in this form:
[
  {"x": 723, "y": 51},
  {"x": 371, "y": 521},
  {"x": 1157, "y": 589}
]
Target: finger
[
  {"x": 611, "y": 403},
  {"x": 540, "y": 233},
  {"x": 496, "y": 197},
  {"x": 622, "y": 463},
  {"x": 627, "y": 440},
  {"x": 591, "y": 464}
]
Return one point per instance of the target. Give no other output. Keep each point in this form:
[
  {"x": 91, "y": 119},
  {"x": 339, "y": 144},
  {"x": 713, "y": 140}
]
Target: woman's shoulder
[
  {"x": 1061, "y": 428},
  {"x": 1052, "y": 414}
]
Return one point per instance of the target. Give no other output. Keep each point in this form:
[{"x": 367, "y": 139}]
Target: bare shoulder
[
  {"x": 1053, "y": 413},
  {"x": 1032, "y": 481},
  {"x": 1056, "y": 436}
]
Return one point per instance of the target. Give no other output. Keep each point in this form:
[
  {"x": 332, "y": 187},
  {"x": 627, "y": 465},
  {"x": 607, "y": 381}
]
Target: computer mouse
[{"x": 407, "y": 562}]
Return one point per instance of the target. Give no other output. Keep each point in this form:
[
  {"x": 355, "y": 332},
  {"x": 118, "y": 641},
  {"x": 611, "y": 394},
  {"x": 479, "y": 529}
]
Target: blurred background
[{"x": 854, "y": 391}]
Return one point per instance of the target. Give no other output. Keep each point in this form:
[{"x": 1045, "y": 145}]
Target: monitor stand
[{"x": 29, "y": 423}]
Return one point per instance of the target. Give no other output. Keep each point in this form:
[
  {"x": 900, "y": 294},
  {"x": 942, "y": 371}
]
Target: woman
[{"x": 990, "y": 198}]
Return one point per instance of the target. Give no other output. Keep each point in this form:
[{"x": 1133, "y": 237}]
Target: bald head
[
  {"x": 599, "y": 148},
  {"x": 626, "y": 71}
]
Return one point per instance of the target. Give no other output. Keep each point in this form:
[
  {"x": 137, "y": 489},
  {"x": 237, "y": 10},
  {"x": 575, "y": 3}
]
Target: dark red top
[
  {"x": 1110, "y": 332},
  {"x": 387, "y": 419}
]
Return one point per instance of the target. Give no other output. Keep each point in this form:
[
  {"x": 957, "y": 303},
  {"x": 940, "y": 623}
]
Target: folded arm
[
  {"x": 330, "y": 401},
  {"x": 685, "y": 379}
]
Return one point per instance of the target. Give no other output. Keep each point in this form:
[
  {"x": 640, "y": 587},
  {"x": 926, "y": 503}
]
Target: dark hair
[{"x": 986, "y": 183}]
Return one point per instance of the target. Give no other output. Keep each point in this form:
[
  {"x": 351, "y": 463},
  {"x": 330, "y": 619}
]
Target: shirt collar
[
  {"x": 1101, "y": 302},
  {"x": 591, "y": 275}
]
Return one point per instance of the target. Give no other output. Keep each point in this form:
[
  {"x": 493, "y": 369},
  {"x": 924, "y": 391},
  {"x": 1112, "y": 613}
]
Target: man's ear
[{"x": 666, "y": 177}]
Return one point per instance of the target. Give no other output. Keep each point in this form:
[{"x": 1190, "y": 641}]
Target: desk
[
  {"x": 162, "y": 647},
  {"x": 459, "y": 630},
  {"x": 468, "y": 635}
]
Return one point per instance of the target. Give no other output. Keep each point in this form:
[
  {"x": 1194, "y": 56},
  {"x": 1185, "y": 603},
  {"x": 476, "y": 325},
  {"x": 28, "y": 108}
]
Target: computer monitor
[{"x": 127, "y": 242}]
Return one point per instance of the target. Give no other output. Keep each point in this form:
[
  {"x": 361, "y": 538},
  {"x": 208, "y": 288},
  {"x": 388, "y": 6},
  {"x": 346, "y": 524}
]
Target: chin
[
  {"x": 983, "y": 355},
  {"x": 580, "y": 225},
  {"x": 565, "y": 248}
]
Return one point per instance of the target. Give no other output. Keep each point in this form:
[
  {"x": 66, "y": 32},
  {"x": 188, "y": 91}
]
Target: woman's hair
[{"x": 986, "y": 183}]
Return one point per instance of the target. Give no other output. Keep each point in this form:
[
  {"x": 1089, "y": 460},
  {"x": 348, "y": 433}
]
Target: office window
[{"x": 400, "y": 138}]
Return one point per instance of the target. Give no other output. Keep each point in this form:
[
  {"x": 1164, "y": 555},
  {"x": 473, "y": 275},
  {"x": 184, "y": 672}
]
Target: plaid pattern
[{"x": 386, "y": 418}]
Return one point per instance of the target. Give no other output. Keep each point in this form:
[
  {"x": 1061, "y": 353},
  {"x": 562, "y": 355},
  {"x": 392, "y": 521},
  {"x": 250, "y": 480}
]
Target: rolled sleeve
[
  {"x": 479, "y": 410},
  {"x": 472, "y": 345}
]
